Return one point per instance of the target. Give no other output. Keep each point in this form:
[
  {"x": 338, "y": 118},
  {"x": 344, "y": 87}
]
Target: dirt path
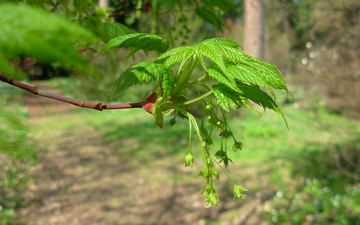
[{"x": 78, "y": 179}]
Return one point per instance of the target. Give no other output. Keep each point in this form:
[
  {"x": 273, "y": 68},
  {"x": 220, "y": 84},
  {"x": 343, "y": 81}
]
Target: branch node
[
  {"x": 102, "y": 106},
  {"x": 81, "y": 103},
  {"x": 36, "y": 90}
]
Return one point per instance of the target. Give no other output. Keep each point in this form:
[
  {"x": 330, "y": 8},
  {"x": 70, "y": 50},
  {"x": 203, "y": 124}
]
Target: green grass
[
  {"x": 263, "y": 137},
  {"x": 296, "y": 163},
  {"x": 16, "y": 153}
]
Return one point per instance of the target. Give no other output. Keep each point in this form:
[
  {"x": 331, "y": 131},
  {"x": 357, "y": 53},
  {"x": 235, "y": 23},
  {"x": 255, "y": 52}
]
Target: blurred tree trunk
[
  {"x": 103, "y": 3},
  {"x": 254, "y": 28}
]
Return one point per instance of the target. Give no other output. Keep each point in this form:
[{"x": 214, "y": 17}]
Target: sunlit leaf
[
  {"x": 176, "y": 55},
  {"x": 226, "y": 97},
  {"x": 166, "y": 84},
  {"x": 214, "y": 72},
  {"x": 207, "y": 50},
  {"x": 256, "y": 95},
  {"x": 138, "y": 41},
  {"x": 222, "y": 42},
  {"x": 139, "y": 73},
  {"x": 246, "y": 73},
  {"x": 32, "y": 32},
  {"x": 113, "y": 30}
]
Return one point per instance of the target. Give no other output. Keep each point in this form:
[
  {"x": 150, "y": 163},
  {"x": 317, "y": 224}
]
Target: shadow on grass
[
  {"x": 338, "y": 164},
  {"x": 322, "y": 187},
  {"x": 147, "y": 142}
]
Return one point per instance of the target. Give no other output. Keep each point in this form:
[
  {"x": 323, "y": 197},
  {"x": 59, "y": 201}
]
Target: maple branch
[{"x": 92, "y": 105}]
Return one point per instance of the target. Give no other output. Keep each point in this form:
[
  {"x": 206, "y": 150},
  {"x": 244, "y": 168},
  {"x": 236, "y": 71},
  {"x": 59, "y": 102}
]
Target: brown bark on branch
[{"x": 91, "y": 105}]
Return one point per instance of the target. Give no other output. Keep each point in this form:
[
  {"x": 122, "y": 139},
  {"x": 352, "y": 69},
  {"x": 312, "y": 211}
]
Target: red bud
[{"x": 148, "y": 107}]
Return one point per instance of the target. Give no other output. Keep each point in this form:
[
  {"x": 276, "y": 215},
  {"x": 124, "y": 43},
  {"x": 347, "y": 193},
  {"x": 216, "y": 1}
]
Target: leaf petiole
[
  {"x": 195, "y": 81},
  {"x": 198, "y": 98},
  {"x": 224, "y": 171},
  {"x": 188, "y": 102}
]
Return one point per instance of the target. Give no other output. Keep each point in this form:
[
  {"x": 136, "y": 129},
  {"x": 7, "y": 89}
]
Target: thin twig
[{"x": 98, "y": 106}]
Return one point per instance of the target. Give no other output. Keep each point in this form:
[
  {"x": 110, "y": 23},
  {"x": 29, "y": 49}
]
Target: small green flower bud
[
  {"x": 215, "y": 173},
  {"x": 208, "y": 141},
  {"x": 203, "y": 144},
  {"x": 237, "y": 146},
  {"x": 212, "y": 199},
  {"x": 204, "y": 132},
  {"x": 225, "y": 134},
  {"x": 211, "y": 121},
  {"x": 204, "y": 172},
  {"x": 189, "y": 160},
  {"x": 220, "y": 154},
  {"x": 172, "y": 121},
  {"x": 220, "y": 124},
  {"x": 208, "y": 106},
  {"x": 239, "y": 192}
]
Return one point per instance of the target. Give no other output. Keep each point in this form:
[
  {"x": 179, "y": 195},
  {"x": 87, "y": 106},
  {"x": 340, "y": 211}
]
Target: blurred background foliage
[
  {"x": 314, "y": 168},
  {"x": 16, "y": 152},
  {"x": 313, "y": 52}
]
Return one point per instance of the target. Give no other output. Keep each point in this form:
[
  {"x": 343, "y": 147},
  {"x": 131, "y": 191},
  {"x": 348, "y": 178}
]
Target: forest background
[{"x": 307, "y": 175}]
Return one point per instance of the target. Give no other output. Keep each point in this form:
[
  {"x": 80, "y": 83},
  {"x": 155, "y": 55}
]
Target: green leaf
[
  {"x": 256, "y": 95},
  {"x": 166, "y": 84},
  {"x": 231, "y": 67},
  {"x": 211, "y": 17},
  {"x": 271, "y": 73},
  {"x": 158, "y": 116},
  {"x": 258, "y": 67},
  {"x": 13, "y": 138},
  {"x": 5, "y": 66},
  {"x": 142, "y": 72},
  {"x": 256, "y": 70},
  {"x": 248, "y": 74},
  {"x": 226, "y": 97},
  {"x": 32, "y": 32},
  {"x": 222, "y": 42},
  {"x": 231, "y": 53},
  {"x": 12, "y": 120},
  {"x": 113, "y": 30},
  {"x": 138, "y": 41},
  {"x": 185, "y": 73},
  {"x": 173, "y": 56},
  {"x": 214, "y": 72},
  {"x": 208, "y": 50}
]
